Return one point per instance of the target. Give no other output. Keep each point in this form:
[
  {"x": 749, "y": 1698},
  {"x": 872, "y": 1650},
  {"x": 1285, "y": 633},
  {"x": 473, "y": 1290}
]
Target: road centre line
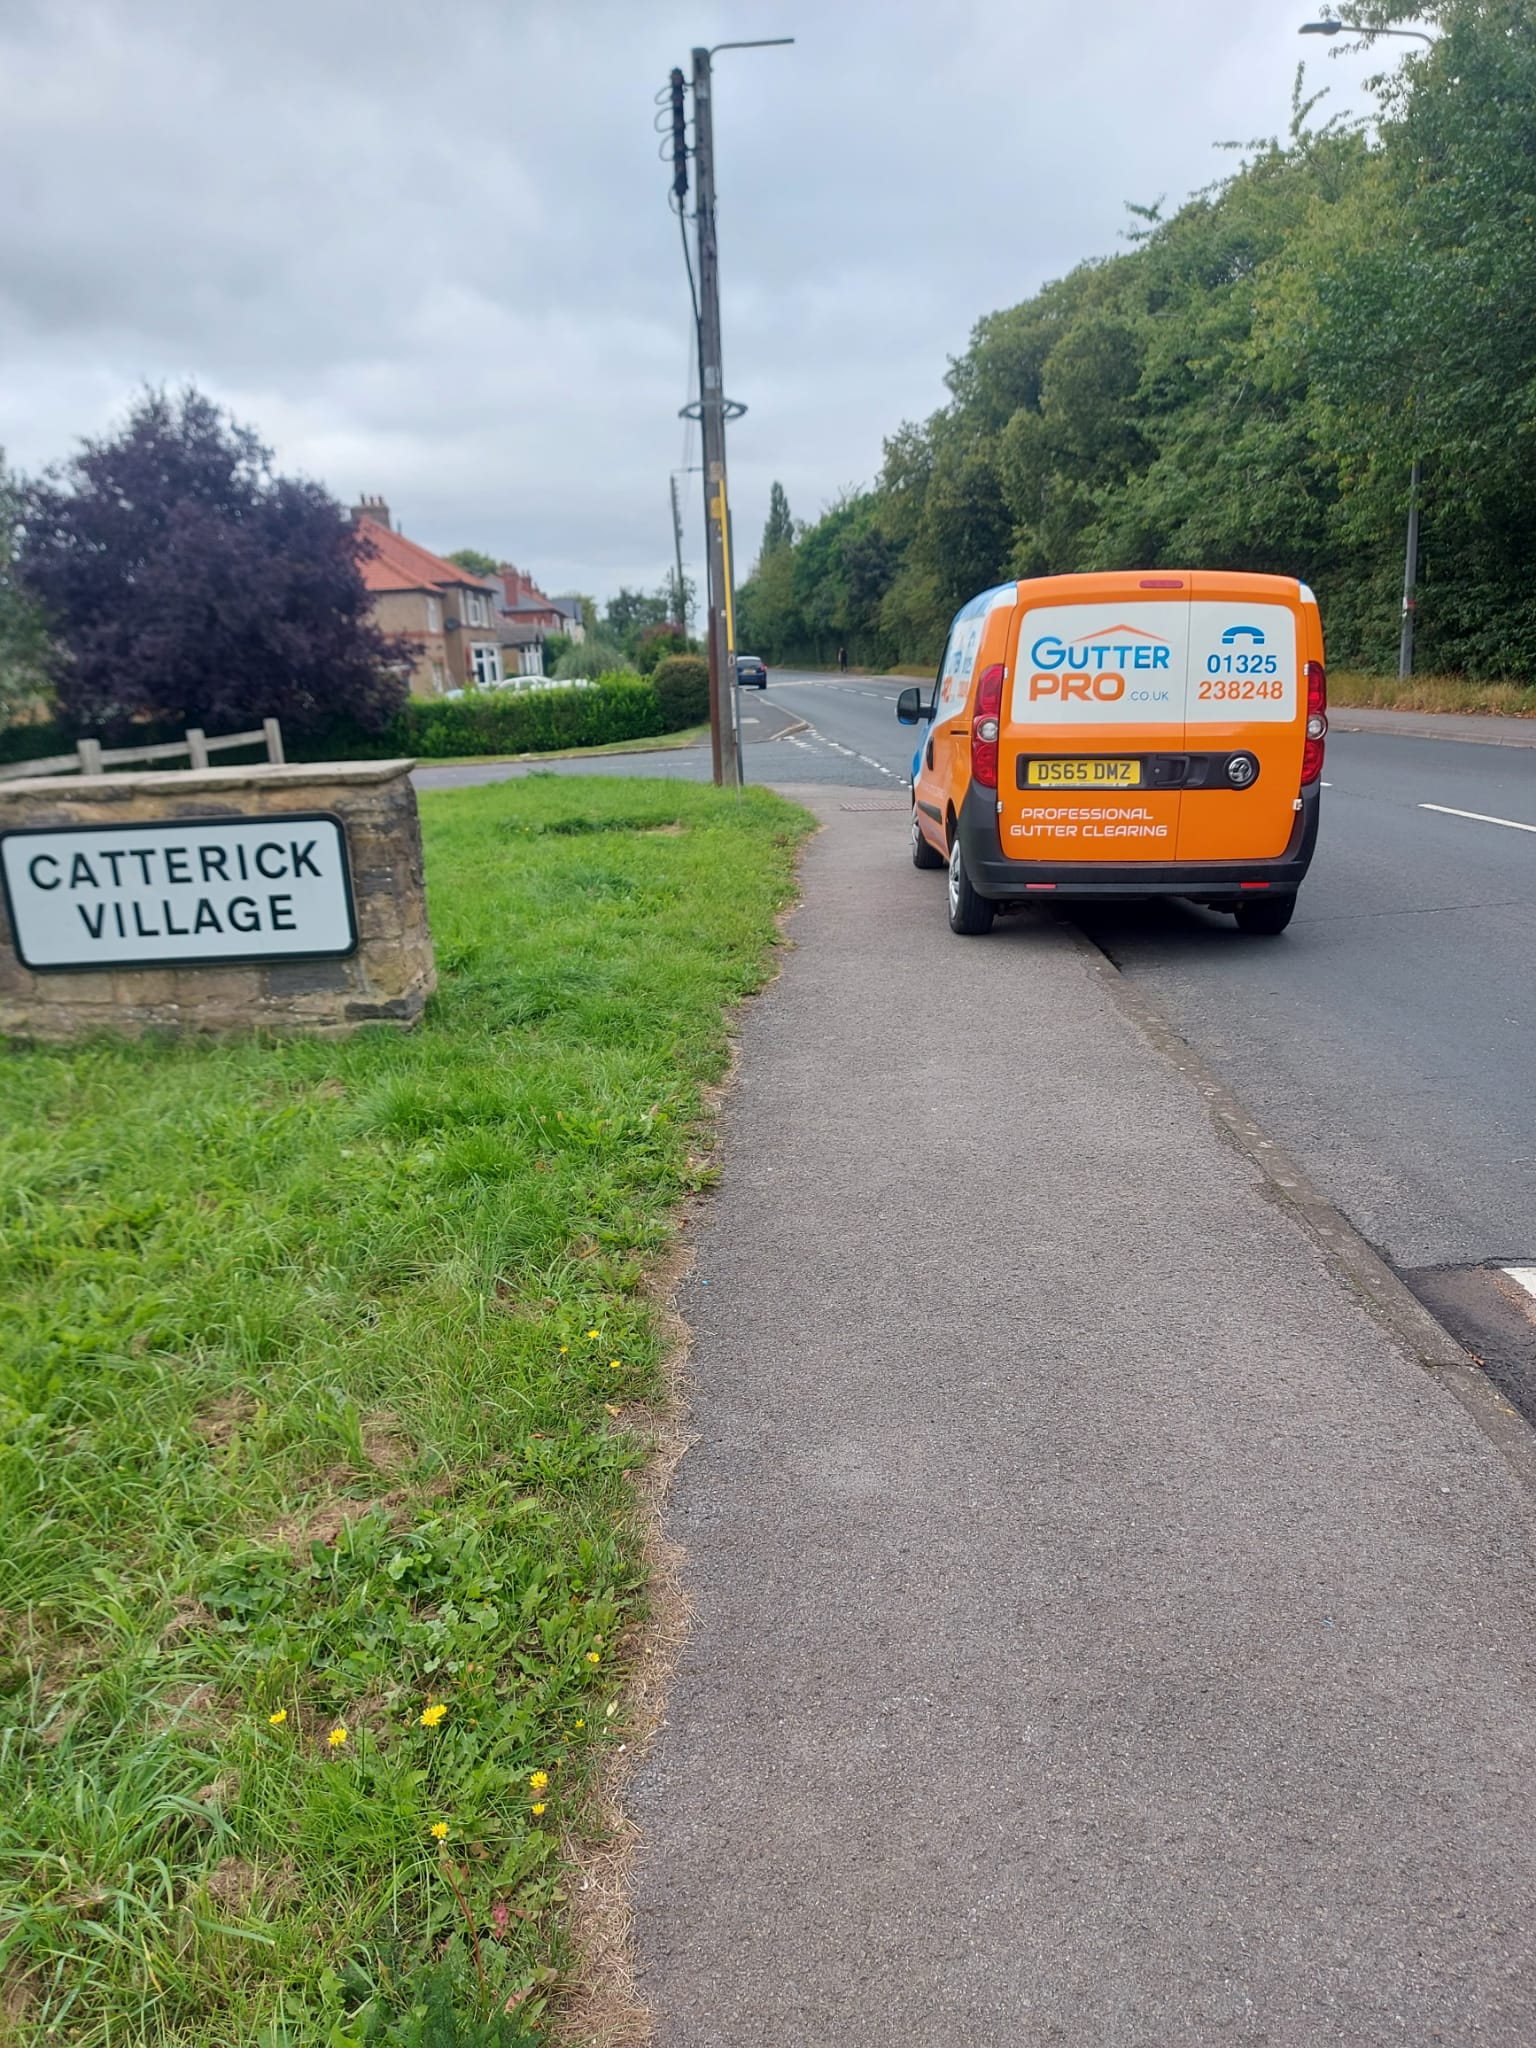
[{"x": 1477, "y": 817}]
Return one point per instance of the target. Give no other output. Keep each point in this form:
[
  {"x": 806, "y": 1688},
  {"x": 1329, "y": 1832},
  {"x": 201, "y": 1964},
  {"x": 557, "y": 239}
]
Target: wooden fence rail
[{"x": 92, "y": 758}]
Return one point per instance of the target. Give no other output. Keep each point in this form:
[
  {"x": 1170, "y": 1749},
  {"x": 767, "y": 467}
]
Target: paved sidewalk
[{"x": 1103, "y": 1636}]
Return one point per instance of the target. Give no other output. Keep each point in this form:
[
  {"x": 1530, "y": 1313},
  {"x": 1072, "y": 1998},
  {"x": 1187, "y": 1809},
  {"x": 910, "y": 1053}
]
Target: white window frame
[
  {"x": 485, "y": 662},
  {"x": 434, "y": 616},
  {"x": 477, "y": 608}
]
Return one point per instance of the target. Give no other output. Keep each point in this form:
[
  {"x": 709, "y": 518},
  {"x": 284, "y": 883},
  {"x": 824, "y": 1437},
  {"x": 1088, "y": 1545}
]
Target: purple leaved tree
[{"x": 188, "y": 584}]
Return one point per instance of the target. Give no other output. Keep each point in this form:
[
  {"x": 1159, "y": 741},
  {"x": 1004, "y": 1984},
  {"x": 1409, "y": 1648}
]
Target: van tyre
[
  {"x": 923, "y": 855},
  {"x": 1266, "y": 918},
  {"x": 969, "y": 914}
]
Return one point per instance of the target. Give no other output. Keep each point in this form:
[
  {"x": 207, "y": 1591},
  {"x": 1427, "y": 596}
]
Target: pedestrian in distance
[{"x": 842, "y": 660}]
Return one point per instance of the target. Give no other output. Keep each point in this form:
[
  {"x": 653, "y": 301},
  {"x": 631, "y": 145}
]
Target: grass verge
[
  {"x": 323, "y": 1389},
  {"x": 1431, "y": 693},
  {"x": 664, "y": 744}
]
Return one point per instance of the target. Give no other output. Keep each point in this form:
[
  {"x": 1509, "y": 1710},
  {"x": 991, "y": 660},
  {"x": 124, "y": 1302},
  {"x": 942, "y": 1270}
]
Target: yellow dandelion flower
[
  {"x": 594, "y": 1657},
  {"x": 440, "y": 1830},
  {"x": 337, "y": 1737},
  {"x": 613, "y": 1365},
  {"x": 580, "y": 1725},
  {"x": 538, "y": 1780},
  {"x": 538, "y": 1807},
  {"x": 430, "y": 1716},
  {"x": 564, "y": 1348},
  {"x": 276, "y": 1720},
  {"x": 593, "y": 1335}
]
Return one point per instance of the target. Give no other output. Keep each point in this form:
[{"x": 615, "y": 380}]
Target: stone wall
[{"x": 385, "y": 981}]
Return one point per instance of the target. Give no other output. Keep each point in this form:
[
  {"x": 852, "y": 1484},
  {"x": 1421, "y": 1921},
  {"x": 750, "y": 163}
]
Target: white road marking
[
  {"x": 1477, "y": 817},
  {"x": 1523, "y": 1276}
]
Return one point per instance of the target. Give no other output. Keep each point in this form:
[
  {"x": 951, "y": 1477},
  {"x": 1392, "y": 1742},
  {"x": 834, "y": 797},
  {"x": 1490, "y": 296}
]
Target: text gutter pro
[{"x": 1096, "y": 667}]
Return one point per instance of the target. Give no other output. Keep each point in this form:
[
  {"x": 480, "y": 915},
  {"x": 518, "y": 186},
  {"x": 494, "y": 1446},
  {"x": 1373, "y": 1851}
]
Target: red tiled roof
[{"x": 398, "y": 564}]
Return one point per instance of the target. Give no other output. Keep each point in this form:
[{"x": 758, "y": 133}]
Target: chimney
[{"x": 372, "y": 508}]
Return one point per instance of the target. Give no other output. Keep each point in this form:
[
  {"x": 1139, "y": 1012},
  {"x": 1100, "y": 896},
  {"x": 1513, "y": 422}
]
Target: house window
[
  {"x": 434, "y": 616},
  {"x": 439, "y": 677},
  {"x": 485, "y": 657},
  {"x": 477, "y": 608}
]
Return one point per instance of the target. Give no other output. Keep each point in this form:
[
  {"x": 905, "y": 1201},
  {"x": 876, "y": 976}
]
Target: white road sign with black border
[{"x": 185, "y": 892}]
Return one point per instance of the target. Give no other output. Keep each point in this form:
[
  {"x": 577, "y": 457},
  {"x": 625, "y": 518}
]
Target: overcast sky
[{"x": 426, "y": 251}]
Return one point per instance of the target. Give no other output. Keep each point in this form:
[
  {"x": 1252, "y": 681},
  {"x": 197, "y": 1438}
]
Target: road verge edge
[{"x": 1348, "y": 1255}]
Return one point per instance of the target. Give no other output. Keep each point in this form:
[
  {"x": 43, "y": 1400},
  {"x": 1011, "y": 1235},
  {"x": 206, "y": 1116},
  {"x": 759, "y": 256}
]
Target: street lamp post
[
  {"x": 1411, "y": 552},
  {"x": 1344, "y": 28}
]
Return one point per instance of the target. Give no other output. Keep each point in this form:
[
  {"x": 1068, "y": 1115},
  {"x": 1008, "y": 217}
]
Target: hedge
[
  {"x": 508, "y": 721},
  {"x": 532, "y": 721},
  {"x": 681, "y": 682}
]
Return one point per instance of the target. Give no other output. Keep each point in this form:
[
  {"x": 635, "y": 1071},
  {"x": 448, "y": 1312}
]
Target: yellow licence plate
[{"x": 1083, "y": 775}]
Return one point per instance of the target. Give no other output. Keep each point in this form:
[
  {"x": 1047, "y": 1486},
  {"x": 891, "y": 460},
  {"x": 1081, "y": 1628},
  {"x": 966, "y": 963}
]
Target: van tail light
[
  {"x": 1317, "y": 722},
  {"x": 984, "y": 726}
]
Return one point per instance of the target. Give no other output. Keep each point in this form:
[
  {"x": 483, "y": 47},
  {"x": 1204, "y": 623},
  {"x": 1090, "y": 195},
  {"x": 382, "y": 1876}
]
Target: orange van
[{"x": 1128, "y": 734}]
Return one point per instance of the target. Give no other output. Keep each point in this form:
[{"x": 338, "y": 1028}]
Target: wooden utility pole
[
  {"x": 712, "y": 412},
  {"x": 677, "y": 542}
]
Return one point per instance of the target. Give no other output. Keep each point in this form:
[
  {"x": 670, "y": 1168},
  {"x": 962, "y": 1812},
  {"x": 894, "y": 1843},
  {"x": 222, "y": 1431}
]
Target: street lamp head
[{"x": 1320, "y": 28}]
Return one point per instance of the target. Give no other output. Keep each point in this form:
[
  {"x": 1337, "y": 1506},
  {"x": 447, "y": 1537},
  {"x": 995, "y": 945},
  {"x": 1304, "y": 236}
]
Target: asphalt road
[{"x": 1386, "y": 1039}]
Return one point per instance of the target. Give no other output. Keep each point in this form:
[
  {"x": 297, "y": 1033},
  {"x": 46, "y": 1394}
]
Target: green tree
[
  {"x": 682, "y": 604},
  {"x": 24, "y": 647},
  {"x": 472, "y": 559},
  {"x": 627, "y": 615},
  {"x": 779, "y": 532}
]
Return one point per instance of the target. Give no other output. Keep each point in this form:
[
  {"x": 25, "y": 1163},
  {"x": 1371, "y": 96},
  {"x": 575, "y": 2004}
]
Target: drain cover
[{"x": 898, "y": 804}]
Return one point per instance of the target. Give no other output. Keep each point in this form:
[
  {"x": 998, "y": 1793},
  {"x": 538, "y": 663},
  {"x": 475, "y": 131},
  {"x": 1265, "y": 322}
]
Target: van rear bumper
[{"x": 993, "y": 874}]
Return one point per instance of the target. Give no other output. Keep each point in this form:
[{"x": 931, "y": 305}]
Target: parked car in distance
[{"x": 750, "y": 672}]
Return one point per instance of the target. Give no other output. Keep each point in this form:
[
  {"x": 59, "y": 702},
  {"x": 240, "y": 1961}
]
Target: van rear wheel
[
  {"x": 1266, "y": 917},
  {"x": 923, "y": 855},
  {"x": 969, "y": 914}
]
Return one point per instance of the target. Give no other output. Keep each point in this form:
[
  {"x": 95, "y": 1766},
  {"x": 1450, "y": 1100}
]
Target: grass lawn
[{"x": 322, "y": 1382}]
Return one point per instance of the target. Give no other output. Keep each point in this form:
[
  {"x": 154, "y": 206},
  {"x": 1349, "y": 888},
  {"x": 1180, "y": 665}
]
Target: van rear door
[
  {"x": 1094, "y": 720},
  {"x": 1245, "y": 716}
]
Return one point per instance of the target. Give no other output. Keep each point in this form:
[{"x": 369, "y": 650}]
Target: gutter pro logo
[{"x": 1095, "y": 668}]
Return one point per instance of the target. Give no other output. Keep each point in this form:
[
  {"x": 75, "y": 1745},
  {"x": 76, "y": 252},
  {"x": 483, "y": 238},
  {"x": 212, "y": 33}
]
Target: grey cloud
[{"x": 427, "y": 252}]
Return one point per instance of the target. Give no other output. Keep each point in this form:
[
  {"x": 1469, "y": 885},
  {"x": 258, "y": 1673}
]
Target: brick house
[
  {"x": 450, "y": 617},
  {"x": 527, "y": 603},
  {"x": 528, "y": 618}
]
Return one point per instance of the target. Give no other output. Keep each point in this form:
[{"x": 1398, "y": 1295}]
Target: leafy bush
[
  {"x": 598, "y": 655},
  {"x": 656, "y": 643},
  {"x": 681, "y": 683}
]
